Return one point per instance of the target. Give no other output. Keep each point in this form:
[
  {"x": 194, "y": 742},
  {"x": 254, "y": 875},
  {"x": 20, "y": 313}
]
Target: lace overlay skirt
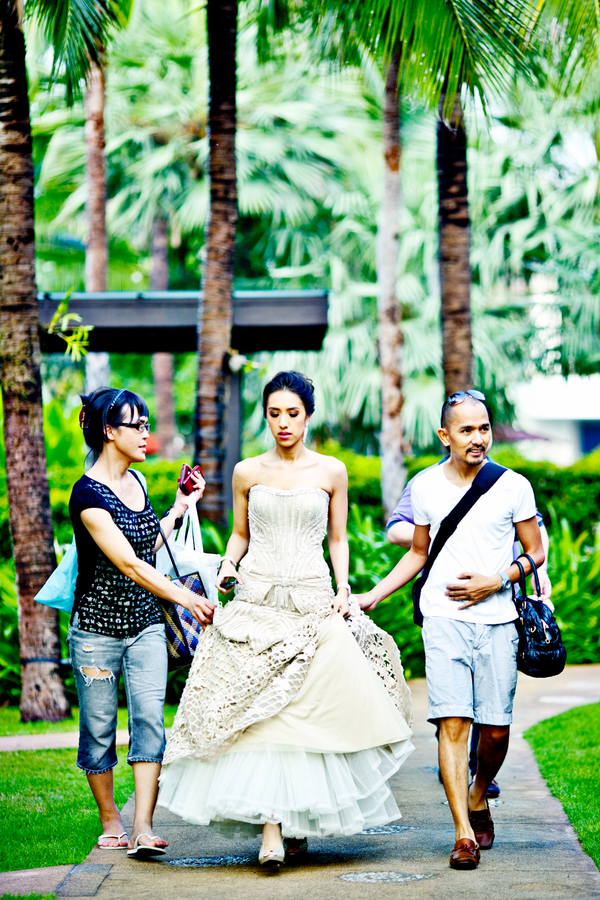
[{"x": 289, "y": 715}]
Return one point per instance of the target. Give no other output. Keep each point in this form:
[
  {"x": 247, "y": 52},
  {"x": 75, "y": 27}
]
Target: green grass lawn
[
  {"x": 47, "y": 813},
  {"x": 27, "y": 896},
  {"x": 10, "y": 722},
  {"x": 567, "y": 750}
]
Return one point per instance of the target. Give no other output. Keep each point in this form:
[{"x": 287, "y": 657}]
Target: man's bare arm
[
  {"x": 403, "y": 572},
  {"x": 401, "y": 534}
]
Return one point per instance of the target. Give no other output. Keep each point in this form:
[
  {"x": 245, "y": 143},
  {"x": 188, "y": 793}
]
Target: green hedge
[{"x": 572, "y": 491}]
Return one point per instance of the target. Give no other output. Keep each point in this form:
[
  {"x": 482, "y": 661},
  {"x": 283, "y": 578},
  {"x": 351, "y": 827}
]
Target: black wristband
[{"x": 178, "y": 521}]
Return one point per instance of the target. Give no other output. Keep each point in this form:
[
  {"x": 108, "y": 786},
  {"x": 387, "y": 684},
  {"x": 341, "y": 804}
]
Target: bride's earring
[
  {"x": 305, "y": 435},
  {"x": 267, "y": 433}
]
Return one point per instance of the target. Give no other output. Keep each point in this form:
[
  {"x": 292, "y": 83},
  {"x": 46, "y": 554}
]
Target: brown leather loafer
[
  {"x": 465, "y": 855},
  {"x": 482, "y": 825}
]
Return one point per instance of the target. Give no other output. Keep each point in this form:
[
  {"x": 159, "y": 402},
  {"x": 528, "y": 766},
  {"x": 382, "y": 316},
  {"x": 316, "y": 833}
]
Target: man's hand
[
  {"x": 367, "y": 601},
  {"x": 545, "y": 584},
  {"x": 475, "y": 588}
]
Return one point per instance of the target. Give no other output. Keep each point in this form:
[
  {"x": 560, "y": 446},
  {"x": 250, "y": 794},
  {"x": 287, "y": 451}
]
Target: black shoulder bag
[
  {"x": 541, "y": 652},
  {"x": 486, "y": 478}
]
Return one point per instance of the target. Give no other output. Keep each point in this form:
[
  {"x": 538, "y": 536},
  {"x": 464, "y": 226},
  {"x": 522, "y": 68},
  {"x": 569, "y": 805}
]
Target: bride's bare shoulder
[
  {"x": 246, "y": 473},
  {"x": 334, "y": 467}
]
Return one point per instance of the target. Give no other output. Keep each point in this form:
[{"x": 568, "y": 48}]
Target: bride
[{"x": 295, "y": 713}]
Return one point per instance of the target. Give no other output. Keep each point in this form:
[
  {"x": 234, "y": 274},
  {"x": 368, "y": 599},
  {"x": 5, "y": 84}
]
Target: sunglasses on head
[{"x": 461, "y": 396}]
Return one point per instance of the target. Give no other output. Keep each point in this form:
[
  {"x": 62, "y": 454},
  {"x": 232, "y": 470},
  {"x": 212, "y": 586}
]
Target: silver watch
[{"x": 506, "y": 582}]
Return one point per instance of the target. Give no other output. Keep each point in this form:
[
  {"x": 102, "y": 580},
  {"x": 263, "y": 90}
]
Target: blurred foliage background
[
  {"x": 567, "y": 497},
  {"x": 310, "y": 181}
]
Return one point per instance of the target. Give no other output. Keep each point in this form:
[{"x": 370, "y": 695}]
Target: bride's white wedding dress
[{"x": 289, "y": 714}]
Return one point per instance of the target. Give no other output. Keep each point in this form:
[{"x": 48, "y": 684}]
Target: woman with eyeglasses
[{"x": 117, "y": 624}]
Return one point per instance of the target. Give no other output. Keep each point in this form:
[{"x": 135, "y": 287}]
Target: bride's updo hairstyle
[
  {"x": 296, "y": 383},
  {"x": 106, "y": 406}
]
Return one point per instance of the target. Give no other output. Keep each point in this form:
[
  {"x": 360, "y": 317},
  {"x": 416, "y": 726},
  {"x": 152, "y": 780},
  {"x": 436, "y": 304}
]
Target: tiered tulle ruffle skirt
[{"x": 311, "y": 794}]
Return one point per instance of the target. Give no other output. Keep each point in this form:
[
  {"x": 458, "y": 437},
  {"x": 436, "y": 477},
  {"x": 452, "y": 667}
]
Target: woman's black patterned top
[{"x": 107, "y": 601}]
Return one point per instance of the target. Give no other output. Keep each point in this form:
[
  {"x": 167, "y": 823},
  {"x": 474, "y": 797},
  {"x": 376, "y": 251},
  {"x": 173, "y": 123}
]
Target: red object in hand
[{"x": 185, "y": 479}]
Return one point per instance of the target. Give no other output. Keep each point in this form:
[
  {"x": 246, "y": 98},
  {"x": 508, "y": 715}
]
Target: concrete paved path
[
  {"x": 536, "y": 855},
  {"x": 60, "y": 741}
]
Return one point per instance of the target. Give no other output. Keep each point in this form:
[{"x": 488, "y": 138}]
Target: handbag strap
[
  {"x": 522, "y": 582},
  {"x": 161, "y": 532},
  {"x": 169, "y": 551},
  {"x": 536, "y": 577},
  {"x": 486, "y": 478}
]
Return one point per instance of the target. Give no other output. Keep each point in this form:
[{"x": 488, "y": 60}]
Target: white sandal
[
  {"x": 141, "y": 851},
  {"x": 117, "y": 837}
]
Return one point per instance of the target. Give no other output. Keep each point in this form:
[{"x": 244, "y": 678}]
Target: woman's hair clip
[{"x": 83, "y": 416}]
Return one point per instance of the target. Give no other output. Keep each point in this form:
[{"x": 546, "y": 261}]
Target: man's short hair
[{"x": 448, "y": 405}]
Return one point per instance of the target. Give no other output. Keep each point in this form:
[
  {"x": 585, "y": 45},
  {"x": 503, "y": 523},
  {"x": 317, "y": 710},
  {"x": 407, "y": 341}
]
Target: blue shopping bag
[{"x": 59, "y": 590}]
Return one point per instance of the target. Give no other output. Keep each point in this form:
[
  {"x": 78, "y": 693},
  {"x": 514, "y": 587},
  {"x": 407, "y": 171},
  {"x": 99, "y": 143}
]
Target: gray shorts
[{"x": 471, "y": 670}]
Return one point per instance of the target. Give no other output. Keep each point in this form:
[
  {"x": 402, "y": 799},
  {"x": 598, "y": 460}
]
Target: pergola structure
[{"x": 167, "y": 321}]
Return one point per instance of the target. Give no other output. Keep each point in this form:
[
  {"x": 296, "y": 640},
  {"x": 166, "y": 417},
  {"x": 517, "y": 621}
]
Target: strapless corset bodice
[{"x": 287, "y": 529}]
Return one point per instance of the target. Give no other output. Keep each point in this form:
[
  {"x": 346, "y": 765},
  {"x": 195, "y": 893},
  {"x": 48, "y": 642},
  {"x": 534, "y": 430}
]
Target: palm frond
[
  {"x": 77, "y": 31},
  {"x": 445, "y": 44}
]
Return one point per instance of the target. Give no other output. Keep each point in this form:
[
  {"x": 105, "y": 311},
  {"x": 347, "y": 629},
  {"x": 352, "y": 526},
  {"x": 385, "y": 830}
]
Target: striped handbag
[{"x": 182, "y": 630}]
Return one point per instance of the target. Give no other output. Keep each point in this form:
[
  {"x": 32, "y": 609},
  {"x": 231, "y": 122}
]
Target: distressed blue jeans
[{"x": 98, "y": 661}]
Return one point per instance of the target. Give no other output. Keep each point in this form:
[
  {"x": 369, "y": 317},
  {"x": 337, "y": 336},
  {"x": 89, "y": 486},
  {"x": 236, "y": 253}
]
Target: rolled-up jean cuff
[
  {"x": 94, "y": 771},
  {"x": 137, "y": 759}
]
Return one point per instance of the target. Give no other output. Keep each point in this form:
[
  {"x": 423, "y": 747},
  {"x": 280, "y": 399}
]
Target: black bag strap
[
  {"x": 486, "y": 478},
  {"x": 161, "y": 532},
  {"x": 536, "y": 577},
  {"x": 140, "y": 482},
  {"x": 534, "y": 573},
  {"x": 522, "y": 582},
  {"x": 166, "y": 544}
]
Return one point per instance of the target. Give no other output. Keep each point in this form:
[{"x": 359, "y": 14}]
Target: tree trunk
[
  {"x": 215, "y": 314},
  {"x": 393, "y": 472},
  {"x": 455, "y": 244},
  {"x": 96, "y": 251},
  {"x": 43, "y": 695},
  {"x": 162, "y": 363}
]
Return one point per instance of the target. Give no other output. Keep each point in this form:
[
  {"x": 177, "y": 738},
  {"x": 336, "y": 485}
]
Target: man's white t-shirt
[{"x": 482, "y": 543}]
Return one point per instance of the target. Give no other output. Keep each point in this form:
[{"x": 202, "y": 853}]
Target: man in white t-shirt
[{"x": 468, "y": 630}]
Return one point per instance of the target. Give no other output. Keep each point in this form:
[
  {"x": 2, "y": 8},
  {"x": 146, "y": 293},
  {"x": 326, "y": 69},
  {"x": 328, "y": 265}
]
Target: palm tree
[
  {"x": 215, "y": 315},
  {"x": 446, "y": 45},
  {"x": 97, "y": 365},
  {"x": 96, "y": 250},
  {"x": 71, "y": 25},
  {"x": 162, "y": 363},
  {"x": 454, "y": 251},
  {"x": 393, "y": 472}
]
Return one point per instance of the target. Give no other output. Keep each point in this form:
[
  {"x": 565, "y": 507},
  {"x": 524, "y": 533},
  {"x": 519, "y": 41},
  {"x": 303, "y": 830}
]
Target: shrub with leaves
[{"x": 371, "y": 558}]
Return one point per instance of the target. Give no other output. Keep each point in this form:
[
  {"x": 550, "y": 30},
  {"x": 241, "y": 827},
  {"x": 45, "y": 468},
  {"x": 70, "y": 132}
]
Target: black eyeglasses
[
  {"x": 141, "y": 427},
  {"x": 461, "y": 396}
]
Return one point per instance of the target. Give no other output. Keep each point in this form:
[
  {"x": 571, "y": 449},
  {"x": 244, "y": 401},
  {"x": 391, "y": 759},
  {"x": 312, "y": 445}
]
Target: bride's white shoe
[{"x": 272, "y": 858}]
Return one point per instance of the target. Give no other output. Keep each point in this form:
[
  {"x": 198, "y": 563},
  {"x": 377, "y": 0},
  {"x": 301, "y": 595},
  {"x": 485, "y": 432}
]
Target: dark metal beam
[{"x": 151, "y": 321}]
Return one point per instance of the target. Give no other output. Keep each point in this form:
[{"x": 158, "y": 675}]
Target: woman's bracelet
[
  {"x": 178, "y": 520},
  {"x": 347, "y": 586},
  {"x": 228, "y": 559}
]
